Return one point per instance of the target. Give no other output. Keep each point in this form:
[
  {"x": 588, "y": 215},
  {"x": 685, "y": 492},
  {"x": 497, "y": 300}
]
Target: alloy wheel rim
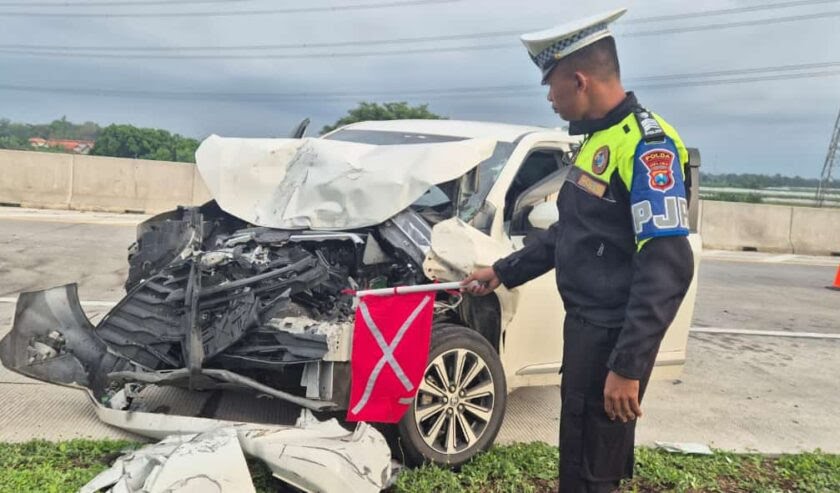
[{"x": 455, "y": 400}]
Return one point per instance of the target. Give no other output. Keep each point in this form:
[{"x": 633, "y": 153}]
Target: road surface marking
[
  {"x": 766, "y": 333},
  {"x": 775, "y": 259}
]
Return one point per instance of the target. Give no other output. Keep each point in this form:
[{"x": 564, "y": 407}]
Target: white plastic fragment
[
  {"x": 685, "y": 448},
  {"x": 210, "y": 462},
  {"x": 312, "y": 455}
]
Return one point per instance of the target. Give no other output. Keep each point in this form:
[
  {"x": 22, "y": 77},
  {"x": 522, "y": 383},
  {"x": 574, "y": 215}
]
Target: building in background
[{"x": 74, "y": 146}]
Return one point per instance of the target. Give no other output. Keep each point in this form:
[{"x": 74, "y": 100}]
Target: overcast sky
[{"x": 778, "y": 126}]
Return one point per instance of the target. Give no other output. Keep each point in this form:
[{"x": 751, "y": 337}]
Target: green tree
[
  {"x": 144, "y": 143},
  {"x": 60, "y": 129},
  {"x": 386, "y": 111},
  {"x": 12, "y": 142}
]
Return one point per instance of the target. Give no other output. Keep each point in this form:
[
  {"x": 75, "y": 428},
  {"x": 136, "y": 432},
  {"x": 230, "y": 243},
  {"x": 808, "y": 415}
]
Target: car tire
[{"x": 448, "y": 426}]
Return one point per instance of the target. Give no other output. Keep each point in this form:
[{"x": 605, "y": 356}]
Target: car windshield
[{"x": 437, "y": 203}]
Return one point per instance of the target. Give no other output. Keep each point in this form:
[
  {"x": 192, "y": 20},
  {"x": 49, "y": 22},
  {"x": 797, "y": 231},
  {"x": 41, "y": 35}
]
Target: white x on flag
[{"x": 388, "y": 349}]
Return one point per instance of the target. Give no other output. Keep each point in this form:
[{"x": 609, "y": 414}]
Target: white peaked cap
[{"x": 550, "y": 45}]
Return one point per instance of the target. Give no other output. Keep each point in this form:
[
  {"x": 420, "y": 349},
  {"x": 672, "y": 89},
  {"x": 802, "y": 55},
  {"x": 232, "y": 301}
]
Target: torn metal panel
[
  {"x": 52, "y": 340},
  {"x": 327, "y": 184},
  {"x": 209, "y": 462},
  {"x": 160, "y": 240},
  {"x": 313, "y": 455}
]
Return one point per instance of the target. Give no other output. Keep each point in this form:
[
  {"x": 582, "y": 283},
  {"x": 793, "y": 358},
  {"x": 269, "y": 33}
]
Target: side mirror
[{"x": 543, "y": 215}]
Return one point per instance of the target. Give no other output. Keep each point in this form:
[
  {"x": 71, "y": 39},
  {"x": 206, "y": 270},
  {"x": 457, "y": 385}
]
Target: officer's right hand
[{"x": 484, "y": 280}]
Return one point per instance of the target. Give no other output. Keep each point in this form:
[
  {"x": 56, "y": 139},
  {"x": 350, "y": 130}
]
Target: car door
[{"x": 533, "y": 338}]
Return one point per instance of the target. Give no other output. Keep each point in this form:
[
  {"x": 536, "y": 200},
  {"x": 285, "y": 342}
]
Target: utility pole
[{"x": 831, "y": 160}]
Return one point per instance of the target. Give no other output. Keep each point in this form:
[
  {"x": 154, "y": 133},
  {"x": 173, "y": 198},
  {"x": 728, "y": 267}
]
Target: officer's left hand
[{"x": 621, "y": 398}]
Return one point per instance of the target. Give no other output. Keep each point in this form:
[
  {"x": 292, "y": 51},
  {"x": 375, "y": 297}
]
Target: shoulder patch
[
  {"x": 659, "y": 163},
  {"x": 601, "y": 160},
  {"x": 658, "y": 203}
]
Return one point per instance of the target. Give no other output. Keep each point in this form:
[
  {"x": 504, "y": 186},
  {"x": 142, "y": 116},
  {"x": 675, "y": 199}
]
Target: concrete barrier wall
[
  {"x": 35, "y": 179},
  {"x": 739, "y": 226},
  {"x": 69, "y": 181},
  {"x": 770, "y": 228},
  {"x": 129, "y": 184},
  {"x": 815, "y": 231}
]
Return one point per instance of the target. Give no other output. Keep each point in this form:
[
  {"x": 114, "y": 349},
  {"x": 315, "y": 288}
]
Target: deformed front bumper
[{"x": 52, "y": 340}]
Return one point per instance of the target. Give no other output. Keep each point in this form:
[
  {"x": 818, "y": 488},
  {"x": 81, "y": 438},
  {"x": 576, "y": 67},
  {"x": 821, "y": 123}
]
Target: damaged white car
[{"x": 248, "y": 291}]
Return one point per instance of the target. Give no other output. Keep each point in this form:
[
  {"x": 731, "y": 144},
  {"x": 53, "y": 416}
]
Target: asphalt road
[{"x": 737, "y": 392}]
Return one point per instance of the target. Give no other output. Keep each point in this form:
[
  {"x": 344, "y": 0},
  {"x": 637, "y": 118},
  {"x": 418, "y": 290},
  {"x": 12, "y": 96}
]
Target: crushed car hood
[{"x": 326, "y": 184}]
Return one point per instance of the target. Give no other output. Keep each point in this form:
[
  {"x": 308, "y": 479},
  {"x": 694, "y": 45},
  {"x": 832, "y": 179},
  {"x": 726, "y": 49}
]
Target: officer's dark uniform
[{"x": 624, "y": 264}]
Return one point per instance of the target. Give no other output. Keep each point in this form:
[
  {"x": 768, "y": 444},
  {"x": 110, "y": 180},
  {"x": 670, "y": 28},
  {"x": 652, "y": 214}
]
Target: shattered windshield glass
[
  {"x": 437, "y": 203},
  {"x": 488, "y": 171}
]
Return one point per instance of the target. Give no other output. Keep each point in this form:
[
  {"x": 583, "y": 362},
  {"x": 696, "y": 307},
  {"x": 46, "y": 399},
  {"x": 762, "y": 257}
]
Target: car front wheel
[{"x": 461, "y": 401}]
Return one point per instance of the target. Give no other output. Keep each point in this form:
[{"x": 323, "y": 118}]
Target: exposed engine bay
[{"x": 213, "y": 302}]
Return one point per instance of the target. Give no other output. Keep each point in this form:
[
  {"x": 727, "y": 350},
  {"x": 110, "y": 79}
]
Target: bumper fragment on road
[{"x": 312, "y": 455}]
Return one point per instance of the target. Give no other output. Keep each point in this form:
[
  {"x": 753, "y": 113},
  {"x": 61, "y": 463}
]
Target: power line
[
  {"x": 58, "y": 51},
  {"x": 722, "y": 73},
  {"x": 727, "y": 25},
  {"x": 438, "y": 93},
  {"x": 295, "y": 10},
  {"x": 729, "y": 11},
  {"x": 742, "y": 80},
  {"x": 299, "y": 56},
  {"x": 286, "y": 46},
  {"x": 137, "y": 3}
]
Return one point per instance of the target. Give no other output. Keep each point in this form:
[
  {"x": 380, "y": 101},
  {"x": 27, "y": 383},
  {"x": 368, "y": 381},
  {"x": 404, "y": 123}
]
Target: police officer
[{"x": 620, "y": 249}]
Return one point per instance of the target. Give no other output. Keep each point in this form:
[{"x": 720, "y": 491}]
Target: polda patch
[{"x": 660, "y": 168}]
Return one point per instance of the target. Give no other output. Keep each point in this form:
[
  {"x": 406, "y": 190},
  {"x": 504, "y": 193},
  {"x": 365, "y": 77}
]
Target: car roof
[{"x": 456, "y": 128}]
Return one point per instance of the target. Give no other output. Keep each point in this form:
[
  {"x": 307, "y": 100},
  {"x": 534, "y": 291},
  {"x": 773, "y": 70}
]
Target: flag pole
[{"x": 420, "y": 288}]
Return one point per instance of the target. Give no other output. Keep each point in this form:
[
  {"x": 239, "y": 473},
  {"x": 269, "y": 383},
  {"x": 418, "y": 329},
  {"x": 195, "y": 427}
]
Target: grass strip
[{"x": 41, "y": 466}]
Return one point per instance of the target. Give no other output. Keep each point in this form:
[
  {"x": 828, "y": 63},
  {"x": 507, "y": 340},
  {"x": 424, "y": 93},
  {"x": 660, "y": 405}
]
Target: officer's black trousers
[{"x": 595, "y": 452}]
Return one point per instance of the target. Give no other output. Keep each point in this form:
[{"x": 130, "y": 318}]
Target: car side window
[{"x": 538, "y": 165}]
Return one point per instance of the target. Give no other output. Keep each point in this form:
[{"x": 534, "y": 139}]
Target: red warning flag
[{"x": 390, "y": 349}]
